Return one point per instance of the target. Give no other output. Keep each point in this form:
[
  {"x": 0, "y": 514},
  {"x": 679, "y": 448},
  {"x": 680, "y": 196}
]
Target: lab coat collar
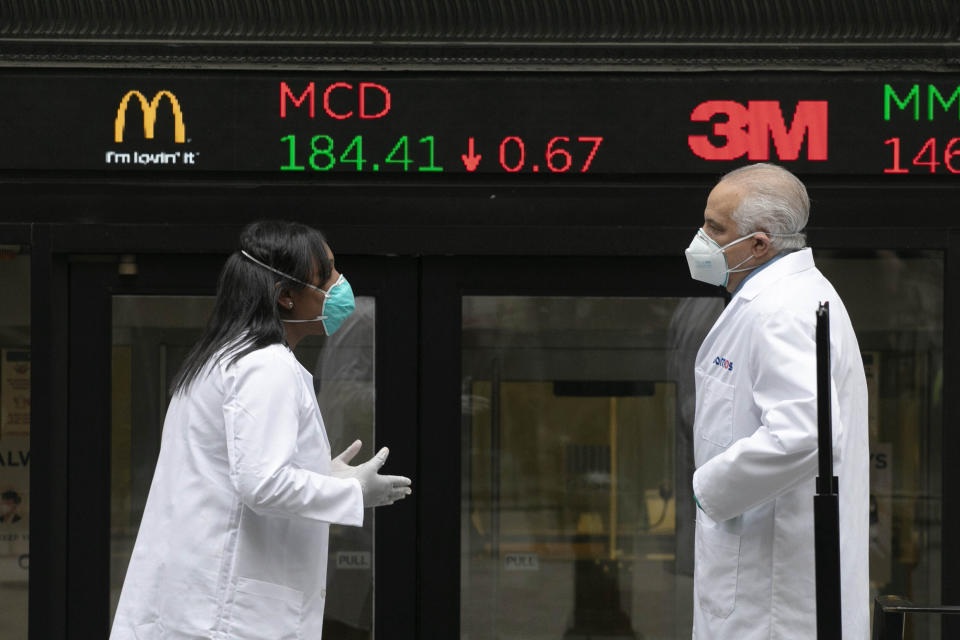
[{"x": 795, "y": 262}]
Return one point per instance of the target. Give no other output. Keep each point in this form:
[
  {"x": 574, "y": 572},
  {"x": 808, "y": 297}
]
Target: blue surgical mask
[
  {"x": 338, "y": 304},
  {"x": 338, "y": 301}
]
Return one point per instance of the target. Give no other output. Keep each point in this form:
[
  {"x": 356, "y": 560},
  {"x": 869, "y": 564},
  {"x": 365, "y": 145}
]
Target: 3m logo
[
  {"x": 150, "y": 115},
  {"x": 749, "y": 129}
]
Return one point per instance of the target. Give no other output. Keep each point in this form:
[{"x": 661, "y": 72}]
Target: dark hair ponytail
[{"x": 245, "y": 316}]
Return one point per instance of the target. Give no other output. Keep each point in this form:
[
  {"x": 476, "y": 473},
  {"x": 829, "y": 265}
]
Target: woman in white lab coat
[{"x": 233, "y": 541}]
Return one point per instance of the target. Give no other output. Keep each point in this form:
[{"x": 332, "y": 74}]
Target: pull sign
[
  {"x": 521, "y": 562},
  {"x": 357, "y": 560}
]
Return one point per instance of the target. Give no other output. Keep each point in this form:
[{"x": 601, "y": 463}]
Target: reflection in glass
[
  {"x": 895, "y": 300},
  {"x": 572, "y": 419},
  {"x": 151, "y": 337},
  {"x": 14, "y": 442},
  {"x": 344, "y": 373}
]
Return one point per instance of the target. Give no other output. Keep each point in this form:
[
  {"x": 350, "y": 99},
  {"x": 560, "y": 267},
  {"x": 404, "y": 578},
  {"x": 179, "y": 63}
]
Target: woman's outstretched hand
[{"x": 378, "y": 490}]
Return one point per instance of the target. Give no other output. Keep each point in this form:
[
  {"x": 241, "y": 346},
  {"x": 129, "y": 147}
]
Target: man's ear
[{"x": 762, "y": 246}]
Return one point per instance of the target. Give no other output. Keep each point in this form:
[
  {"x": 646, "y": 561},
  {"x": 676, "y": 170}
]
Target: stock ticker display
[{"x": 554, "y": 125}]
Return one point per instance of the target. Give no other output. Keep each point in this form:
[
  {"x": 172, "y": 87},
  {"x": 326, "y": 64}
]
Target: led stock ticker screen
[{"x": 552, "y": 126}]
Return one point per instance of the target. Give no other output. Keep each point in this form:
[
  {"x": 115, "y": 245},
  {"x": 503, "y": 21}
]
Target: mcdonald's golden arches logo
[{"x": 150, "y": 115}]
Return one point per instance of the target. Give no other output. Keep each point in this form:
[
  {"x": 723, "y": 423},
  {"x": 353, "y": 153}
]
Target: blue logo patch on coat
[{"x": 723, "y": 363}]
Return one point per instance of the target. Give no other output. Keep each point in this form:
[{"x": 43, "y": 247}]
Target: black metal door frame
[{"x": 950, "y": 580}]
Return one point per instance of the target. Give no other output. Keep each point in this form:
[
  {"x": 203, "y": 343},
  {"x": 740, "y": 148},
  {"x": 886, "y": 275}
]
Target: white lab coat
[
  {"x": 755, "y": 448},
  {"x": 233, "y": 541}
]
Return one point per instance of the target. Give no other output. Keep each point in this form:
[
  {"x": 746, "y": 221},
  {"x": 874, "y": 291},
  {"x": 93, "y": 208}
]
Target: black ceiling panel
[{"x": 888, "y": 33}]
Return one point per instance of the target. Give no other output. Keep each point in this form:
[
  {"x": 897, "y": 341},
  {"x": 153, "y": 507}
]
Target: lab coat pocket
[
  {"x": 266, "y": 610},
  {"x": 714, "y": 419},
  {"x": 717, "y": 564}
]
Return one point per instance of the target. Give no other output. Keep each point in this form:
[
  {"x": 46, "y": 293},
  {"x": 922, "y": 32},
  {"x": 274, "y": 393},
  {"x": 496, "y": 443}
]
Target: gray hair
[{"x": 774, "y": 200}]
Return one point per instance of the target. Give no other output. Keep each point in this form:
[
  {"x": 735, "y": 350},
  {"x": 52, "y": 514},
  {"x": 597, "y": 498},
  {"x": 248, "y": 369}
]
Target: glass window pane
[
  {"x": 895, "y": 300},
  {"x": 14, "y": 442},
  {"x": 575, "y": 428},
  {"x": 151, "y": 337}
]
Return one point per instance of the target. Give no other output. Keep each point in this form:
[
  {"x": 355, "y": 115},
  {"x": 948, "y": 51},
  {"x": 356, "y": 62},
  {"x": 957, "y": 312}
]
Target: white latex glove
[
  {"x": 340, "y": 466},
  {"x": 377, "y": 490}
]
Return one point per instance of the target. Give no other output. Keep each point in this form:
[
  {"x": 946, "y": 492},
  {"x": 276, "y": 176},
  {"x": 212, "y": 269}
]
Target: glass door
[
  {"x": 577, "y": 418},
  {"x": 155, "y": 318},
  {"x": 573, "y": 381},
  {"x": 896, "y": 304}
]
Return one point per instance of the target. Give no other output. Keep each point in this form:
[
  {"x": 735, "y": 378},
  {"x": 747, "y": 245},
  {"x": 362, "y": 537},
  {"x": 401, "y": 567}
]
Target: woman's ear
[{"x": 285, "y": 299}]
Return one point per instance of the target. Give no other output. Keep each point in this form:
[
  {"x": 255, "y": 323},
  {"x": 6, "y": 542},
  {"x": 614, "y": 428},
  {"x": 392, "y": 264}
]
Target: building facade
[{"x": 509, "y": 187}]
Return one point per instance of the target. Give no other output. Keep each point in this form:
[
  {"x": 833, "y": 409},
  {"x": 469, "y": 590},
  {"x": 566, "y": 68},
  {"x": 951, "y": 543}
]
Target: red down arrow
[{"x": 470, "y": 160}]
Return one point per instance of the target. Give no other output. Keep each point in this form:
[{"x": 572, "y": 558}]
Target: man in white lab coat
[{"x": 755, "y": 431}]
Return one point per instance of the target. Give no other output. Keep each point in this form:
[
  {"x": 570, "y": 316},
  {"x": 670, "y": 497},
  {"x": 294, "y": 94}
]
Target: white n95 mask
[{"x": 707, "y": 261}]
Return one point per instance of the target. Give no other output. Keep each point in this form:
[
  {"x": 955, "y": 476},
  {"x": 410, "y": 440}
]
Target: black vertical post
[
  {"x": 49, "y": 539},
  {"x": 495, "y": 469},
  {"x": 826, "y": 509},
  {"x": 950, "y": 509}
]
